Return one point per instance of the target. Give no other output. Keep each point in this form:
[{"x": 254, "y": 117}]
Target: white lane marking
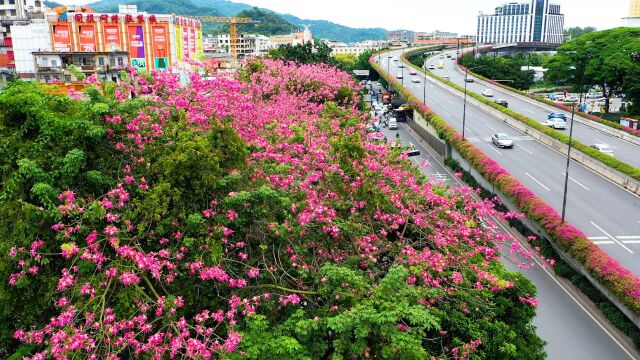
[
  {"x": 597, "y": 238},
  {"x": 496, "y": 130},
  {"x": 446, "y": 113},
  {"x": 530, "y": 153},
  {"x": 628, "y": 237},
  {"x": 611, "y": 237},
  {"x": 603, "y": 242},
  {"x": 552, "y": 276},
  {"x": 529, "y": 111},
  {"x": 536, "y": 180},
  {"x": 576, "y": 181},
  {"x": 630, "y": 242},
  {"x": 492, "y": 148},
  {"x": 611, "y": 146}
]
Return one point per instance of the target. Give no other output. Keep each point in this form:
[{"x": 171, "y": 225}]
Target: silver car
[
  {"x": 603, "y": 148},
  {"x": 502, "y": 140}
]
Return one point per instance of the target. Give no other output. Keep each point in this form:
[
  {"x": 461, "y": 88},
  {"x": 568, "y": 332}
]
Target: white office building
[{"x": 534, "y": 21}]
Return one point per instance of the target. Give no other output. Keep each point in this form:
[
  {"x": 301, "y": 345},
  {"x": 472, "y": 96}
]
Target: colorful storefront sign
[
  {"x": 136, "y": 47},
  {"x": 87, "y": 38},
  {"x": 111, "y": 34},
  {"x": 185, "y": 43},
  {"x": 192, "y": 43},
  {"x": 179, "y": 53},
  {"x": 61, "y": 38},
  {"x": 160, "y": 47}
]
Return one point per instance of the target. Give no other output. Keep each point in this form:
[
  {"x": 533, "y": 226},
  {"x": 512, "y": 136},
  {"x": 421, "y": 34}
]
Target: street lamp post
[
  {"x": 464, "y": 104},
  {"x": 424, "y": 83},
  {"x": 566, "y": 171}
]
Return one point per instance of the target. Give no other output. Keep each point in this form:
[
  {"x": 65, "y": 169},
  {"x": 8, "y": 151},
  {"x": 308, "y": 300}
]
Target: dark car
[
  {"x": 557, "y": 116},
  {"x": 502, "y": 102}
]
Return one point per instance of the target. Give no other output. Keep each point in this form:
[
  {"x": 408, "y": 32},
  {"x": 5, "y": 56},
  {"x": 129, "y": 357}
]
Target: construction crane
[{"x": 233, "y": 29}]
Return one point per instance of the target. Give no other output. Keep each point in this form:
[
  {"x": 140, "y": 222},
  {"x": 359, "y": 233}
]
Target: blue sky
[{"x": 428, "y": 15}]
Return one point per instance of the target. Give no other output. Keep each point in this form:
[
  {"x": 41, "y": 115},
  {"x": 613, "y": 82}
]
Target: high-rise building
[
  {"x": 634, "y": 14},
  {"x": 15, "y": 12},
  {"x": 538, "y": 21},
  {"x": 634, "y": 8}
]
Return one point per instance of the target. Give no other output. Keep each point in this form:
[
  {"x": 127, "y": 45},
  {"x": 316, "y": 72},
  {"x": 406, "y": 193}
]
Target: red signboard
[
  {"x": 192, "y": 42},
  {"x": 159, "y": 41},
  {"x": 185, "y": 42},
  {"x": 61, "y": 38},
  {"x": 111, "y": 38},
  {"x": 87, "y": 38}
]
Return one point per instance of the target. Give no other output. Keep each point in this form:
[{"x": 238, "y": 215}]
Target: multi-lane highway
[
  {"x": 624, "y": 150},
  {"x": 607, "y": 214},
  {"x": 564, "y": 320}
]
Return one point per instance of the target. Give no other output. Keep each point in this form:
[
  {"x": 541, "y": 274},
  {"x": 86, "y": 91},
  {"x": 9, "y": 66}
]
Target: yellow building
[{"x": 634, "y": 8}]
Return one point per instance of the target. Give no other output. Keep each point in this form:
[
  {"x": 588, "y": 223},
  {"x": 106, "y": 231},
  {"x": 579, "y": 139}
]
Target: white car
[
  {"x": 432, "y": 67},
  {"x": 399, "y": 75},
  {"x": 415, "y": 80},
  {"x": 487, "y": 92},
  {"x": 393, "y": 124},
  {"x": 603, "y": 148},
  {"x": 401, "y": 65},
  {"x": 556, "y": 123}
]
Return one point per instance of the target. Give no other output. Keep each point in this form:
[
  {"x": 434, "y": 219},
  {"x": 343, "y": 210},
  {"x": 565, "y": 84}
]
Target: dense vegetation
[
  {"x": 609, "y": 59},
  {"x": 576, "y": 32},
  {"x": 239, "y": 218},
  {"x": 504, "y": 68}
]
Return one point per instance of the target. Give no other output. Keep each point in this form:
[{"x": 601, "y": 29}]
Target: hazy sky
[{"x": 428, "y": 15}]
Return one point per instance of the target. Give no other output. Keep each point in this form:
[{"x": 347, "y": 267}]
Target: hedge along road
[
  {"x": 624, "y": 150},
  {"x": 563, "y": 320},
  {"x": 606, "y": 213}
]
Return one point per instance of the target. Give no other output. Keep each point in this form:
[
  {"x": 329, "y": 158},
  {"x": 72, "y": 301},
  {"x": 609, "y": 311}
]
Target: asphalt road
[
  {"x": 563, "y": 320},
  {"x": 624, "y": 150},
  {"x": 606, "y": 213}
]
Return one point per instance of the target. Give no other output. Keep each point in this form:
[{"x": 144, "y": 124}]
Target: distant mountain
[
  {"x": 276, "y": 24},
  {"x": 51, "y": 4},
  {"x": 181, "y": 7},
  {"x": 327, "y": 30}
]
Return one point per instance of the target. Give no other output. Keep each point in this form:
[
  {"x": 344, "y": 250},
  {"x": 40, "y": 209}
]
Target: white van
[{"x": 393, "y": 124}]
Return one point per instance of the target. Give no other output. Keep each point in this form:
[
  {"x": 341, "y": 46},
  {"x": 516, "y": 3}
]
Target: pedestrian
[{"x": 591, "y": 107}]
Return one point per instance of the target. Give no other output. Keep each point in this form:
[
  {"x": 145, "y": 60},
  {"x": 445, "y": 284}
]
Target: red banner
[
  {"x": 160, "y": 48},
  {"x": 185, "y": 42},
  {"x": 87, "y": 38},
  {"x": 61, "y": 38},
  {"x": 111, "y": 38},
  {"x": 192, "y": 42}
]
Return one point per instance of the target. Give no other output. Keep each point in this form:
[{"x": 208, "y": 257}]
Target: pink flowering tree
[{"x": 241, "y": 217}]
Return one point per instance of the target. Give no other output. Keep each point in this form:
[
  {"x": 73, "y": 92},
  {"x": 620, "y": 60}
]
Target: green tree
[
  {"x": 609, "y": 59},
  {"x": 305, "y": 54},
  {"x": 576, "y": 32},
  {"x": 502, "y": 68}
]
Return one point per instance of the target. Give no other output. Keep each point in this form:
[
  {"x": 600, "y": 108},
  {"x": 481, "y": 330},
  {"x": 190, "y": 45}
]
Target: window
[
  {"x": 101, "y": 61},
  {"x": 12, "y": 12},
  {"x": 54, "y": 62},
  {"x": 120, "y": 61},
  {"x": 112, "y": 62},
  {"x": 12, "y": 2}
]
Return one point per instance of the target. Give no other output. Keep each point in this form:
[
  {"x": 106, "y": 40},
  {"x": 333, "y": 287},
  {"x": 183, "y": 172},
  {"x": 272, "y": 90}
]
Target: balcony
[{"x": 49, "y": 69}]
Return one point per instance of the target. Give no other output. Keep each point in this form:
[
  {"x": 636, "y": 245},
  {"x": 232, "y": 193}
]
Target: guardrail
[{"x": 617, "y": 283}]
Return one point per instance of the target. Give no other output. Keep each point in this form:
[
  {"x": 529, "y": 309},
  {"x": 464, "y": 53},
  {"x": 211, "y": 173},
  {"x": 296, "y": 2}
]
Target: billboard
[
  {"x": 136, "y": 47},
  {"x": 199, "y": 43},
  {"x": 179, "y": 53},
  {"x": 87, "y": 38},
  {"x": 160, "y": 47},
  {"x": 192, "y": 43},
  {"x": 111, "y": 38},
  {"x": 61, "y": 38},
  {"x": 185, "y": 42}
]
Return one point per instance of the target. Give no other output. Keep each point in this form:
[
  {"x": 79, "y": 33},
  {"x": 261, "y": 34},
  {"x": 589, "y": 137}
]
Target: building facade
[
  {"x": 153, "y": 41},
  {"x": 534, "y": 21},
  {"x": 12, "y": 13},
  {"x": 634, "y": 14}
]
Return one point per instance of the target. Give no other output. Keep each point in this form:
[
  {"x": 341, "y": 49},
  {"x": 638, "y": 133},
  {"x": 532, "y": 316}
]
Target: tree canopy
[
  {"x": 609, "y": 59},
  {"x": 240, "y": 217},
  {"x": 503, "y": 68}
]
